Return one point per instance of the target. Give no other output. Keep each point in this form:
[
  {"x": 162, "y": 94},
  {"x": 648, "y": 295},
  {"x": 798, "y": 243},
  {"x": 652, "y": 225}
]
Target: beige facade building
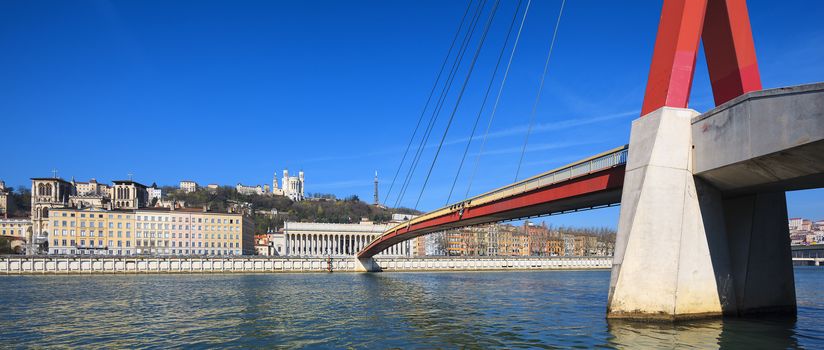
[
  {"x": 188, "y": 186},
  {"x": 149, "y": 231},
  {"x": 249, "y": 190},
  {"x": 91, "y": 188},
  {"x": 15, "y": 227},
  {"x": 91, "y": 231}
]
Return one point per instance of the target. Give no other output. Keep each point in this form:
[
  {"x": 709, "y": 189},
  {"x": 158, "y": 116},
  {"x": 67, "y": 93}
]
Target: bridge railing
[
  {"x": 606, "y": 160},
  {"x": 602, "y": 161},
  {"x": 598, "y": 162}
]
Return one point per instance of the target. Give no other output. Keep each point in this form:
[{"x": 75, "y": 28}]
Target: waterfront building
[
  {"x": 188, "y": 186},
  {"x": 314, "y": 239},
  {"x": 91, "y": 231},
  {"x": 15, "y": 227},
  {"x": 264, "y": 245},
  {"x": 192, "y": 231},
  {"x": 277, "y": 240},
  {"x": 152, "y": 231}
]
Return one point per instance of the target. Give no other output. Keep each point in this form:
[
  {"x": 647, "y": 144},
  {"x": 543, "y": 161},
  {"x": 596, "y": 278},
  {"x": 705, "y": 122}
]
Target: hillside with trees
[
  {"x": 272, "y": 211},
  {"x": 19, "y": 202}
]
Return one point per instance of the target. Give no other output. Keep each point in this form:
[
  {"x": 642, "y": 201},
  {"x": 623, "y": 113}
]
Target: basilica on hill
[{"x": 291, "y": 186}]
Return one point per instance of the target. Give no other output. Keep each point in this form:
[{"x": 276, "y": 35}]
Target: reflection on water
[
  {"x": 706, "y": 334},
  {"x": 547, "y": 309}
]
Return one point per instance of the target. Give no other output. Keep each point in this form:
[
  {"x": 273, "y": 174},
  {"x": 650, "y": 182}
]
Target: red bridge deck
[{"x": 592, "y": 182}]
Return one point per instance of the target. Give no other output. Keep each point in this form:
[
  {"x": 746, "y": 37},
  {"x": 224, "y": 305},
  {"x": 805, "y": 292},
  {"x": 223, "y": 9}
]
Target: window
[{"x": 128, "y": 243}]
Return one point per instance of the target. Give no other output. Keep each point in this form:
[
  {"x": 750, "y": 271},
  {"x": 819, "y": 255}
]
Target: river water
[{"x": 541, "y": 309}]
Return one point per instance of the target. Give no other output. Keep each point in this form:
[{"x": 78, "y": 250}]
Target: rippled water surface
[{"x": 546, "y": 309}]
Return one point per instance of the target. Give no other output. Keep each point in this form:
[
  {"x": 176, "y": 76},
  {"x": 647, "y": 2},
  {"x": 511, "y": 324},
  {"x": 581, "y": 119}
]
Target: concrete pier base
[
  {"x": 760, "y": 254},
  {"x": 662, "y": 267},
  {"x": 366, "y": 265},
  {"x": 683, "y": 250}
]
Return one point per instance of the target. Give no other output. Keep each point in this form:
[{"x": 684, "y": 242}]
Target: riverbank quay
[{"x": 44, "y": 265}]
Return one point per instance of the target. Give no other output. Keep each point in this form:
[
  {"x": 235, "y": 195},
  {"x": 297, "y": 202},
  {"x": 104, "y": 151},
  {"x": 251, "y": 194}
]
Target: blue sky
[{"x": 227, "y": 92}]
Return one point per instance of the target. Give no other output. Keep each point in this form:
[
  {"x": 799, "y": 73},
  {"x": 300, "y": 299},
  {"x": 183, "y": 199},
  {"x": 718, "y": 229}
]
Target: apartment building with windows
[
  {"x": 91, "y": 231},
  {"x": 149, "y": 231}
]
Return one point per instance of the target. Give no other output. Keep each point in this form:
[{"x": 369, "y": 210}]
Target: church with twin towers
[{"x": 292, "y": 186}]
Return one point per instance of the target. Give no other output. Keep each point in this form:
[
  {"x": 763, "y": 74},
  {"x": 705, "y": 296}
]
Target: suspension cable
[
  {"x": 497, "y": 100},
  {"x": 458, "y": 101},
  {"x": 486, "y": 97},
  {"x": 540, "y": 89},
  {"x": 429, "y": 99},
  {"x": 439, "y": 105}
]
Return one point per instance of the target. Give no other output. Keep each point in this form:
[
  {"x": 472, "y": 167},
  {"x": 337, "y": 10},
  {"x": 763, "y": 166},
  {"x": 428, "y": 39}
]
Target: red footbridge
[{"x": 590, "y": 183}]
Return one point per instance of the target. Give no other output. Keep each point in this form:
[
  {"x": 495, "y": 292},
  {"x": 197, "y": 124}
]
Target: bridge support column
[
  {"x": 366, "y": 265},
  {"x": 663, "y": 267},
  {"x": 760, "y": 255},
  {"x": 683, "y": 251}
]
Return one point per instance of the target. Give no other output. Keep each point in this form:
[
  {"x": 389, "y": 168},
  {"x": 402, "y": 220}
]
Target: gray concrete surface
[
  {"x": 764, "y": 141},
  {"x": 662, "y": 268}
]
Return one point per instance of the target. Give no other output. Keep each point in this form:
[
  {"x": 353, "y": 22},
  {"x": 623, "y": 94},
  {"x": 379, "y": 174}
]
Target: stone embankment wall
[{"x": 16, "y": 265}]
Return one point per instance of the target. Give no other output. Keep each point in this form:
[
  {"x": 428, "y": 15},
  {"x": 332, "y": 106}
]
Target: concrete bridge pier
[
  {"x": 366, "y": 265},
  {"x": 683, "y": 250}
]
